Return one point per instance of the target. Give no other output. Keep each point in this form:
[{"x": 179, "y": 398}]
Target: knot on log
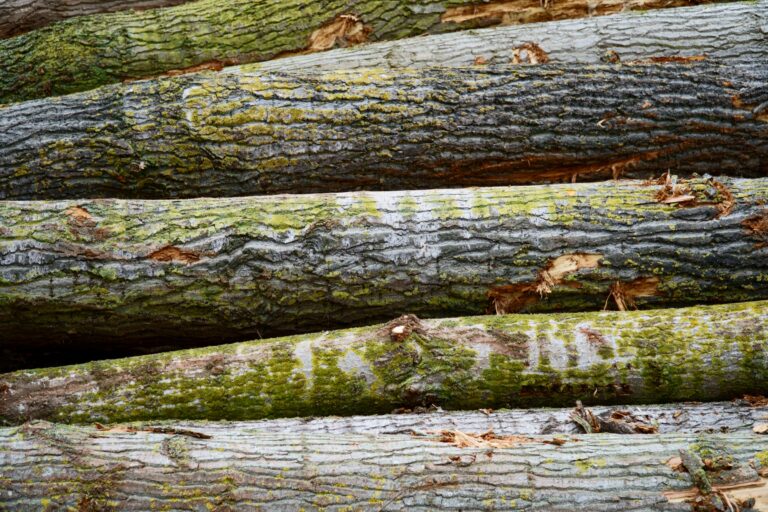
[{"x": 401, "y": 328}]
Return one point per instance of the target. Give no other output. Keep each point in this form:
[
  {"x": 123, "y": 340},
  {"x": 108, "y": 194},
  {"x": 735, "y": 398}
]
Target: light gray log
[
  {"x": 49, "y": 466},
  {"x": 686, "y": 417},
  {"x": 724, "y": 32}
]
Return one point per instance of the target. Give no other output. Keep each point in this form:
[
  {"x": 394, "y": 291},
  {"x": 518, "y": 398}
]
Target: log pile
[{"x": 286, "y": 255}]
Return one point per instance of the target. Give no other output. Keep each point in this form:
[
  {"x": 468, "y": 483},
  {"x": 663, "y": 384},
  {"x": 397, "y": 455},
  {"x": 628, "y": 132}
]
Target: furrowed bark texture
[
  {"x": 18, "y": 16},
  {"x": 117, "y": 271},
  {"x": 239, "y": 469},
  {"x": 702, "y": 353},
  {"x": 714, "y": 417},
  {"x": 723, "y": 32},
  {"x": 260, "y": 133},
  {"x": 83, "y": 53}
]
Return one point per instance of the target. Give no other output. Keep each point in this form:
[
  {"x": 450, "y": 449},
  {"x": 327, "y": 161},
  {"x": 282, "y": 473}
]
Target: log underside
[
  {"x": 19, "y": 16},
  {"x": 149, "y": 274},
  {"x": 701, "y": 353},
  {"x": 263, "y": 133},
  {"x": 721, "y": 32},
  {"x": 83, "y": 53},
  {"x": 239, "y": 469}
]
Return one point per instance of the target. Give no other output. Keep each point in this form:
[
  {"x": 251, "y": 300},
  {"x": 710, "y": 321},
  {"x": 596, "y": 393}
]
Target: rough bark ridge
[
  {"x": 701, "y": 353},
  {"x": 722, "y": 32},
  {"x": 238, "y": 469},
  {"x": 714, "y": 417},
  {"x": 259, "y": 133},
  {"x": 18, "y": 16},
  {"x": 119, "y": 272},
  {"x": 83, "y": 53}
]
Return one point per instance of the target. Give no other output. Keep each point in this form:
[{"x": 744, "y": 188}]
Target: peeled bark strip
[
  {"x": 702, "y": 353},
  {"x": 721, "y": 32},
  {"x": 716, "y": 417},
  {"x": 259, "y": 133},
  {"x": 116, "y": 272},
  {"x": 18, "y": 16},
  {"x": 83, "y": 53},
  {"x": 238, "y": 469}
]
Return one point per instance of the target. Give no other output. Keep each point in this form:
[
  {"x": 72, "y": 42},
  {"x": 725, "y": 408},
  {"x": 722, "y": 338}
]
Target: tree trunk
[
  {"x": 702, "y": 353},
  {"x": 83, "y": 53},
  {"x": 723, "y": 32},
  {"x": 120, "y": 272},
  {"x": 258, "y": 133},
  {"x": 18, "y": 16},
  {"x": 720, "y": 417},
  {"x": 240, "y": 469}
]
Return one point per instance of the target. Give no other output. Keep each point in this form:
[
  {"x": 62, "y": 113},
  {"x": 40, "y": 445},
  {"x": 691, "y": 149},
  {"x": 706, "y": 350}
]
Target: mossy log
[
  {"x": 259, "y": 133},
  {"x": 689, "y": 418},
  {"x": 239, "y": 469},
  {"x": 122, "y": 272},
  {"x": 701, "y": 353},
  {"x": 82, "y": 53},
  {"x": 722, "y": 32},
  {"x": 18, "y": 16}
]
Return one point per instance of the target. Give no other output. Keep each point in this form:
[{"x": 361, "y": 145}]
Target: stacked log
[
  {"x": 255, "y": 132},
  {"x": 287, "y": 256},
  {"x": 85, "y": 52}
]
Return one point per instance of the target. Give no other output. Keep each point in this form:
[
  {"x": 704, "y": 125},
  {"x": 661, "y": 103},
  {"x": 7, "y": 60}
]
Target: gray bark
[
  {"x": 240, "y": 469},
  {"x": 19, "y": 16},
  {"x": 116, "y": 273},
  {"x": 723, "y": 32},
  {"x": 700, "y": 353},
  {"x": 262, "y": 133},
  {"x": 688, "y": 417}
]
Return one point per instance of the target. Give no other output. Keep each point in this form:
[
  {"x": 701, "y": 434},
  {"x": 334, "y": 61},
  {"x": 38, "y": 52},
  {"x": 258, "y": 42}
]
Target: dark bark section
[
  {"x": 244, "y": 470},
  {"x": 83, "y": 53},
  {"x": 264, "y": 133},
  {"x": 700, "y": 353},
  {"x": 19, "y": 16},
  {"x": 117, "y": 273}
]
